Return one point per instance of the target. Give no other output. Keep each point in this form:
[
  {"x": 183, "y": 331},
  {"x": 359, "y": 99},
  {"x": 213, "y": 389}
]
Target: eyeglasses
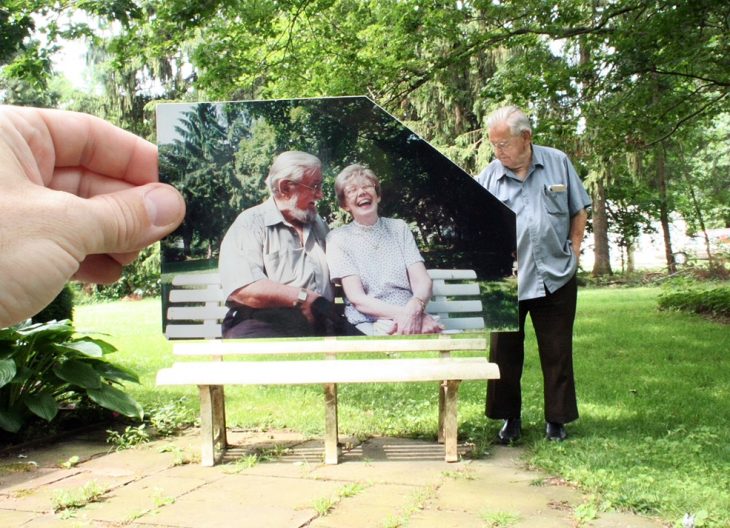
[
  {"x": 353, "y": 190},
  {"x": 317, "y": 188},
  {"x": 501, "y": 145}
]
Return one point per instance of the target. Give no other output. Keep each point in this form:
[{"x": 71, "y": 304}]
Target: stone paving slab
[
  {"x": 373, "y": 506},
  {"x": 381, "y": 482}
]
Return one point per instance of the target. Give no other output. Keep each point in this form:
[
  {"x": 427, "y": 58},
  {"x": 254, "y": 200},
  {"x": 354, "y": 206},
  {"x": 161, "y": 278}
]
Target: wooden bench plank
[
  {"x": 186, "y": 279},
  {"x": 452, "y": 274},
  {"x": 328, "y": 345},
  {"x": 195, "y": 313},
  {"x": 197, "y": 295},
  {"x": 193, "y": 331},
  {"x": 326, "y": 371},
  {"x": 212, "y": 312}
]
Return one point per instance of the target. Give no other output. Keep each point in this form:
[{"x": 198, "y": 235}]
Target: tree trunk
[
  {"x": 630, "y": 260},
  {"x": 661, "y": 178},
  {"x": 602, "y": 262}
]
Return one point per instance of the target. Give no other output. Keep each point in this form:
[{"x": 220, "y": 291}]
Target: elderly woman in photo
[{"x": 382, "y": 273}]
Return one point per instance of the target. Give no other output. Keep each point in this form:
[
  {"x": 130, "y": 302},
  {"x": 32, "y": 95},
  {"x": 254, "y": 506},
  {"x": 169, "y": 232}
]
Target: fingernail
[{"x": 163, "y": 205}]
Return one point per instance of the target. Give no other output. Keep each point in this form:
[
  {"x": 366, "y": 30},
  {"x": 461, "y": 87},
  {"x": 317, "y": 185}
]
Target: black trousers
[
  {"x": 242, "y": 321},
  {"x": 552, "y": 317}
]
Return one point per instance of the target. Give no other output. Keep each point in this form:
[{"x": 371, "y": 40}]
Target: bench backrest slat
[
  {"x": 203, "y": 308},
  {"x": 197, "y": 295},
  {"x": 194, "y": 331},
  {"x": 191, "y": 279}
]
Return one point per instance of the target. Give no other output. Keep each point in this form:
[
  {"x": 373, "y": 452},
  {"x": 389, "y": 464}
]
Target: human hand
[
  {"x": 431, "y": 325},
  {"x": 78, "y": 199},
  {"x": 306, "y": 306},
  {"x": 410, "y": 320}
]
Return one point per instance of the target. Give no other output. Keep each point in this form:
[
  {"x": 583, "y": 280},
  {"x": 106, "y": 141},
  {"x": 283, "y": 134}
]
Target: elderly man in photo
[
  {"x": 543, "y": 189},
  {"x": 272, "y": 260}
]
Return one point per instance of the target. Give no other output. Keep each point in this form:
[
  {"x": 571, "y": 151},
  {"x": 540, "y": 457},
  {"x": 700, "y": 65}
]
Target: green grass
[{"x": 653, "y": 391}]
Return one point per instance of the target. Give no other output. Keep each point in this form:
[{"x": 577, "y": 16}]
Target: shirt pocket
[
  {"x": 286, "y": 266},
  {"x": 555, "y": 202}
]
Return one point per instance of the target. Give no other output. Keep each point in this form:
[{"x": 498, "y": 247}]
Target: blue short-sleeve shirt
[{"x": 550, "y": 195}]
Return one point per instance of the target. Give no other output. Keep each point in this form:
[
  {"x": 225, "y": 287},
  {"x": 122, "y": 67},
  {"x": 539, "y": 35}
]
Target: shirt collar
[
  {"x": 538, "y": 157},
  {"x": 272, "y": 215},
  {"x": 537, "y": 160}
]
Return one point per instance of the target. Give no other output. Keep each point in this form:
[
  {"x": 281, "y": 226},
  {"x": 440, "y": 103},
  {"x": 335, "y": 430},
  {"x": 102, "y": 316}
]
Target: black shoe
[
  {"x": 555, "y": 432},
  {"x": 510, "y": 431}
]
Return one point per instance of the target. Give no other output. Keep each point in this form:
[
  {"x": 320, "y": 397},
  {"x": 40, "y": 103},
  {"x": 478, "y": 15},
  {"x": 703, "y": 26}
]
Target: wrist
[
  {"x": 301, "y": 298},
  {"x": 420, "y": 302}
]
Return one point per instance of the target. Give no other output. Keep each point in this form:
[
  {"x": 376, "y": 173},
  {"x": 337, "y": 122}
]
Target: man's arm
[
  {"x": 266, "y": 293},
  {"x": 577, "y": 229}
]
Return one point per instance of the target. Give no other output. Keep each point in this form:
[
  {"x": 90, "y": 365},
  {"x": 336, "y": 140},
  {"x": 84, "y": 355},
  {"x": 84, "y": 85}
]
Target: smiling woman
[{"x": 384, "y": 295}]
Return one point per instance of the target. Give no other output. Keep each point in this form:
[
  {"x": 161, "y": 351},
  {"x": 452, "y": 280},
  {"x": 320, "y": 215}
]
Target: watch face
[{"x": 302, "y": 295}]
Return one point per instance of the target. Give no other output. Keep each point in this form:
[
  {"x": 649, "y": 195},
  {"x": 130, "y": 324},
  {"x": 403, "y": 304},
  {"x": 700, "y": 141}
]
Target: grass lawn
[{"x": 653, "y": 391}]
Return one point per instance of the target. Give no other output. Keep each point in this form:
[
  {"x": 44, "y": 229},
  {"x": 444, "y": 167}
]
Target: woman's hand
[
  {"x": 430, "y": 325},
  {"x": 410, "y": 320}
]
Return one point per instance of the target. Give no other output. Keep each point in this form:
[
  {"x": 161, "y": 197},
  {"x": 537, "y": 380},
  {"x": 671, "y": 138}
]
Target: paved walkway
[{"x": 381, "y": 483}]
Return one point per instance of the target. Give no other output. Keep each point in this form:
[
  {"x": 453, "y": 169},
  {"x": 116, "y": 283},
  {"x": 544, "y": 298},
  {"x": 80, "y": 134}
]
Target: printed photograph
[{"x": 328, "y": 216}]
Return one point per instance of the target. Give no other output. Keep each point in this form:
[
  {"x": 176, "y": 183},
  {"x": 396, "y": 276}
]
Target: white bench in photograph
[{"x": 197, "y": 306}]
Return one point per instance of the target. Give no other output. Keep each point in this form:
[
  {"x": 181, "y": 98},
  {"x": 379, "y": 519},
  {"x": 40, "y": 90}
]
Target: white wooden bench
[{"x": 196, "y": 309}]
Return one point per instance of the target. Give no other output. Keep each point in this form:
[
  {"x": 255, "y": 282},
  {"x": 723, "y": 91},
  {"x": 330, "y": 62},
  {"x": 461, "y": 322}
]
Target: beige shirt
[{"x": 261, "y": 244}]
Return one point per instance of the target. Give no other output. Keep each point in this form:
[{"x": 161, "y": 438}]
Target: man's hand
[
  {"x": 306, "y": 306},
  {"x": 78, "y": 199}
]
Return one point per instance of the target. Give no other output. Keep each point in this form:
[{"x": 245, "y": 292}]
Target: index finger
[{"x": 88, "y": 142}]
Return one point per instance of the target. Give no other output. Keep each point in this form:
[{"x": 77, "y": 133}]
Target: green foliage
[
  {"x": 171, "y": 417},
  {"x": 324, "y": 505},
  {"x": 72, "y": 461},
  {"x": 693, "y": 297},
  {"x": 501, "y": 519},
  {"x": 73, "y": 499},
  {"x": 43, "y": 366},
  {"x": 131, "y": 437},
  {"x": 59, "y": 309},
  {"x": 639, "y": 106},
  {"x": 139, "y": 279}
]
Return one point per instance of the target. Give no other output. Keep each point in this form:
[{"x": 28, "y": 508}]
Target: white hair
[
  {"x": 513, "y": 117},
  {"x": 291, "y": 165}
]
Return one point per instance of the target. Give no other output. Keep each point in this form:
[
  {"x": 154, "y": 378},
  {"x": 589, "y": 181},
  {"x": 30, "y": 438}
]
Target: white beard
[{"x": 305, "y": 216}]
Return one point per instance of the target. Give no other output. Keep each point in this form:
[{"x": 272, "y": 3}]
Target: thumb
[{"x": 132, "y": 219}]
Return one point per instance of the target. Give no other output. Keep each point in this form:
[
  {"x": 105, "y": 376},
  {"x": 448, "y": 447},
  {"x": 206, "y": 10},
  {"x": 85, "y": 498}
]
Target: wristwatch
[{"x": 301, "y": 297}]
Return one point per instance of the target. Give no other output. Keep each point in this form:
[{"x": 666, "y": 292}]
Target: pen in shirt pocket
[{"x": 556, "y": 187}]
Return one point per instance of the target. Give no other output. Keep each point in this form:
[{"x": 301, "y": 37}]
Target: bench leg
[
  {"x": 330, "y": 423},
  {"x": 207, "y": 436},
  {"x": 219, "y": 417},
  {"x": 212, "y": 423},
  {"x": 442, "y": 404},
  {"x": 451, "y": 390},
  {"x": 442, "y": 399}
]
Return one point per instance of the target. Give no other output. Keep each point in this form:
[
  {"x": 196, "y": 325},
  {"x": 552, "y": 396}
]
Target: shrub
[
  {"x": 711, "y": 300},
  {"x": 60, "y": 308},
  {"x": 43, "y": 366},
  {"x": 141, "y": 278}
]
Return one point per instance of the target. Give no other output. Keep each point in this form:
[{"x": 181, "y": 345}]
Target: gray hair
[
  {"x": 352, "y": 172},
  {"x": 513, "y": 117},
  {"x": 291, "y": 165}
]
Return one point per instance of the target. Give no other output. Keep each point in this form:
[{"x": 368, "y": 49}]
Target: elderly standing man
[
  {"x": 272, "y": 260},
  {"x": 543, "y": 189}
]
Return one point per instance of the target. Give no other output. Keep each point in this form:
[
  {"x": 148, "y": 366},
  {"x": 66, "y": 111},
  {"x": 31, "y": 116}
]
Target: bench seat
[{"x": 308, "y": 372}]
